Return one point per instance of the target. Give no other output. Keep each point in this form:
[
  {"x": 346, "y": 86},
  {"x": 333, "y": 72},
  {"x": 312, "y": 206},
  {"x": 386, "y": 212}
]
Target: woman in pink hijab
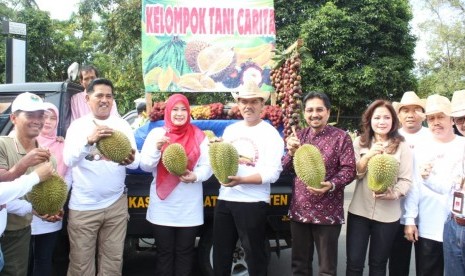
[{"x": 44, "y": 233}]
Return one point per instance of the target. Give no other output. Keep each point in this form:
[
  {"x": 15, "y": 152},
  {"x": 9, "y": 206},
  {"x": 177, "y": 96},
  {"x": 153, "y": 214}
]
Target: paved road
[{"x": 144, "y": 264}]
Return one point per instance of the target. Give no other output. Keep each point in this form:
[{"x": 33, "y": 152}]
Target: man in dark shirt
[{"x": 317, "y": 215}]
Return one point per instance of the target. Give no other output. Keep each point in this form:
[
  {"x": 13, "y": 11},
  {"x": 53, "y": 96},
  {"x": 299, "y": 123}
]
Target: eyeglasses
[{"x": 459, "y": 121}]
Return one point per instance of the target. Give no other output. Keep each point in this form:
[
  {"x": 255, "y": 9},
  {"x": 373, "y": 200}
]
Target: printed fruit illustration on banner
[{"x": 209, "y": 46}]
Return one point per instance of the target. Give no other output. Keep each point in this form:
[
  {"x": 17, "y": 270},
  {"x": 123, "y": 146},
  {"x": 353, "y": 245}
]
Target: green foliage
[
  {"x": 361, "y": 51},
  {"x": 444, "y": 71}
]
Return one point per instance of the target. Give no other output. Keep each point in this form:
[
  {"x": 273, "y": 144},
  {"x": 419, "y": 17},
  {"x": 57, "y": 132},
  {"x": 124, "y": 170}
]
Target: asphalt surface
[
  {"x": 279, "y": 266},
  {"x": 143, "y": 264}
]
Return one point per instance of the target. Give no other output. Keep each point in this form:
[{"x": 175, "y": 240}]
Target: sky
[{"x": 62, "y": 10}]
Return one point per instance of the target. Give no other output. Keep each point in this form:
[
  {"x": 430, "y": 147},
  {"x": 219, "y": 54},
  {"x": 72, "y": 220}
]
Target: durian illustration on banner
[{"x": 207, "y": 46}]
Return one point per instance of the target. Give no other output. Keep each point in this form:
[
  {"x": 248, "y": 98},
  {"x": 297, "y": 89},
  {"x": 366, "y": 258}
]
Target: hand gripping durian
[
  {"x": 382, "y": 172},
  {"x": 224, "y": 160},
  {"x": 49, "y": 196},
  {"x": 174, "y": 159},
  {"x": 309, "y": 165}
]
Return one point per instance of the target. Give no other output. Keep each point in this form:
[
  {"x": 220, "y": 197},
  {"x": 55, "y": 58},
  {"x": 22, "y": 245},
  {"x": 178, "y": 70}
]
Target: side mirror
[{"x": 73, "y": 71}]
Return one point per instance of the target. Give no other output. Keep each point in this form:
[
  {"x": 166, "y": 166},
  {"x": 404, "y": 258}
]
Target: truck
[{"x": 138, "y": 184}]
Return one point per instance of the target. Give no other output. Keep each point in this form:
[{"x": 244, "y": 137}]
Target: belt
[{"x": 460, "y": 221}]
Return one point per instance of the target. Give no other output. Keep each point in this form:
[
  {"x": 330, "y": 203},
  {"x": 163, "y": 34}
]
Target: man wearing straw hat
[
  {"x": 454, "y": 228},
  {"x": 436, "y": 163},
  {"x": 458, "y": 112},
  {"x": 410, "y": 111},
  {"x": 240, "y": 211}
]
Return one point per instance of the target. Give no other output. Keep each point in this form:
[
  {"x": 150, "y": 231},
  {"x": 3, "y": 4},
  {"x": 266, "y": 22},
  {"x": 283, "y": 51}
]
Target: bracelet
[{"x": 332, "y": 188}]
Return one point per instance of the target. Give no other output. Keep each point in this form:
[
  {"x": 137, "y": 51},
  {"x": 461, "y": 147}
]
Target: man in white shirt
[
  {"x": 98, "y": 211},
  {"x": 435, "y": 163},
  {"x": 240, "y": 211},
  {"x": 410, "y": 111}
]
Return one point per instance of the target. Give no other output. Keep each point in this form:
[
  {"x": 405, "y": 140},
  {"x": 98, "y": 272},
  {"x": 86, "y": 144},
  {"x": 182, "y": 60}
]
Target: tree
[
  {"x": 444, "y": 71},
  {"x": 361, "y": 50}
]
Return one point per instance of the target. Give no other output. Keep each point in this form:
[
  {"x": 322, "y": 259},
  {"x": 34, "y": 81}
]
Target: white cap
[{"x": 27, "y": 102}]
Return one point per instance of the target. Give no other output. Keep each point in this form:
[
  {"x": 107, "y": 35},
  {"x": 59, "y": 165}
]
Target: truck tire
[
  {"x": 205, "y": 255},
  {"x": 130, "y": 249}
]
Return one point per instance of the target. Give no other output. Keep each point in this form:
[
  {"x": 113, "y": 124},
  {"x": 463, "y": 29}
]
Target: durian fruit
[
  {"x": 116, "y": 147},
  {"x": 382, "y": 172},
  {"x": 309, "y": 165},
  {"x": 210, "y": 134},
  {"x": 224, "y": 160},
  {"x": 49, "y": 196},
  {"x": 174, "y": 159},
  {"x": 191, "y": 52},
  {"x": 217, "y": 62}
]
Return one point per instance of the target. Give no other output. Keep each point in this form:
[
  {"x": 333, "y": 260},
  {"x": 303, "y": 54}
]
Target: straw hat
[
  {"x": 250, "y": 90},
  {"x": 437, "y": 104},
  {"x": 409, "y": 98},
  {"x": 458, "y": 104}
]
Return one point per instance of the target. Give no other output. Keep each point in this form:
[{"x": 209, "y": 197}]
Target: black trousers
[
  {"x": 175, "y": 250},
  {"x": 246, "y": 221},
  {"x": 380, "y": 235},
  {"x": 430, "y": 258},
  {"x": 304, "y": 237},
  {"x": 401, "y": 251},
  {"x": 41, "y": 253}
]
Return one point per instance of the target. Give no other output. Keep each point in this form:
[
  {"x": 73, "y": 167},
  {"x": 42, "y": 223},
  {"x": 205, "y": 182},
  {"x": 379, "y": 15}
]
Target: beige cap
[
  {"x": 458, "y": 103},
  {"x": 250, "y": 90},
  {"x": 437, "y": 104},
  {"x": 409, "y": 98}
]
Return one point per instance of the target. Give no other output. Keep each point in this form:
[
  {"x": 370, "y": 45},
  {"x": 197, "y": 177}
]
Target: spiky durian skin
[
  {"x": 382, "y": 172},
  {"x": 116, "y": 147},
  {"x": 174, "y": 159},
  {"x": 49, "y": 196},
  {"x": 224, "y": 160},
  {"x": 309, "y": 165}
]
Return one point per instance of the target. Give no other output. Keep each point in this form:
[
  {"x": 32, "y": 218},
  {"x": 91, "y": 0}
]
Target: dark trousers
[
  {"x": 401, "y": 251},
  {"x": 42, "y": 247},
  {"x": 15, "y": 246},
  {"x": 304, "y": 237},
  {"x": 430, "y": 258},
  {"x": 175, "y": 250},
  {"x": 246, "y": 221},
  {"x": 380, "y": 235}
]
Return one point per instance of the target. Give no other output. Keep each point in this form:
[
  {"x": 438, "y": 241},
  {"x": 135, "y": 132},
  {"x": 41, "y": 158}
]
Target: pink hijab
[
  {"x": 50, "y": 141},
  {"x": 188, "y": 135}
]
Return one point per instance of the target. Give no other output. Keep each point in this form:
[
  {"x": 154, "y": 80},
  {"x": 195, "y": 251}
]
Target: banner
[{"x": 205, "y": 45}]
